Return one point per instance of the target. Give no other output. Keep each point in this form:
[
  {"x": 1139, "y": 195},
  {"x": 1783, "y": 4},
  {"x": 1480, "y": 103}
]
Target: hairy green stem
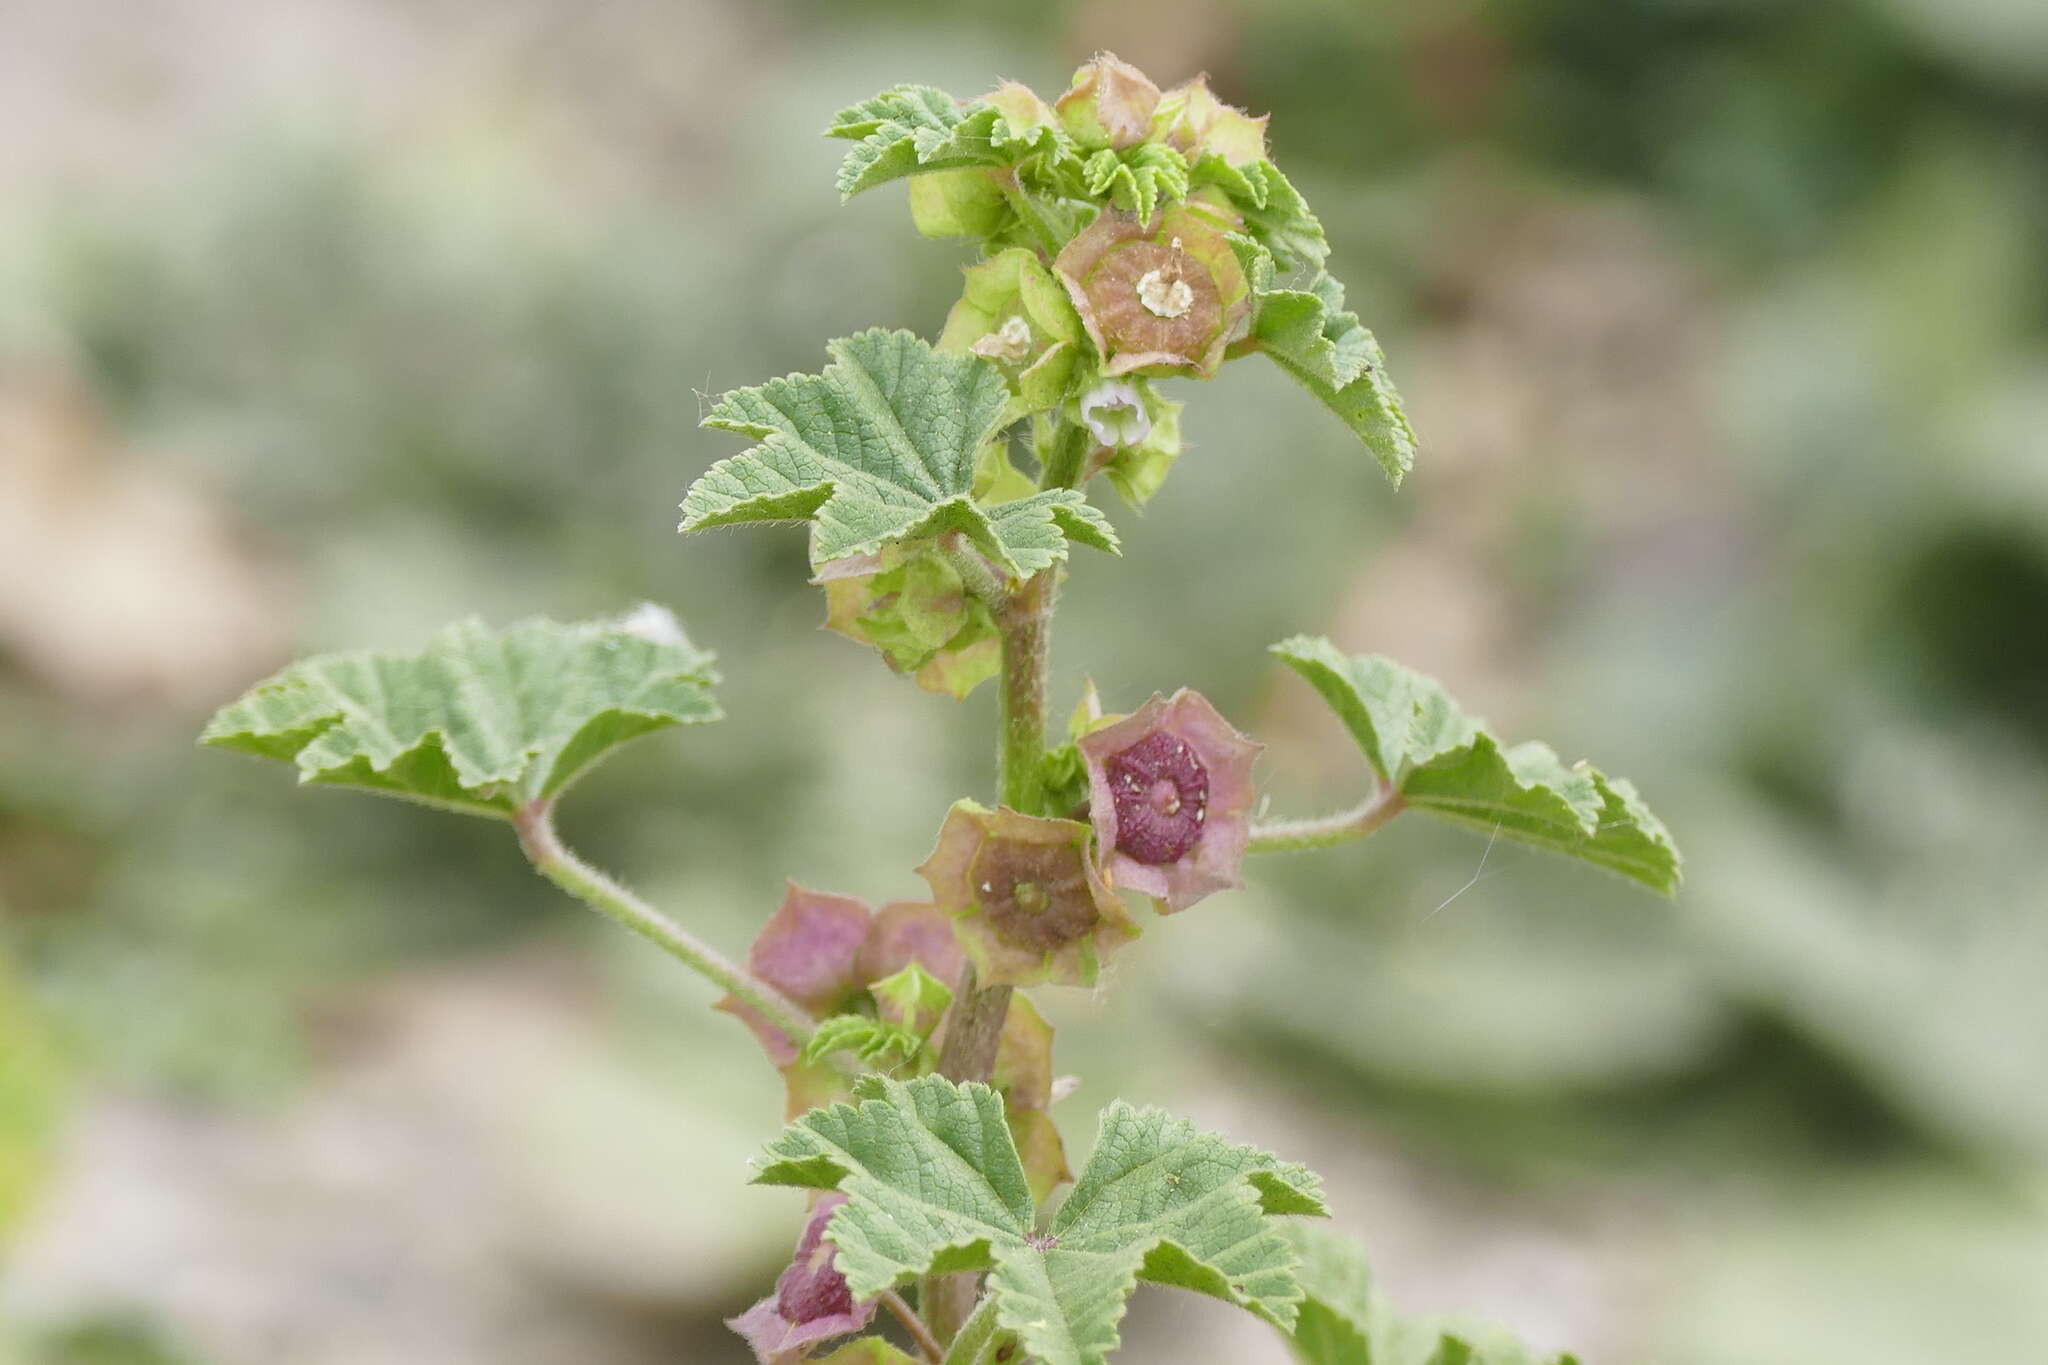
[
  {"x": 1025, "y": 622},
  {"x": 974, "y": 1029},
  {"x": 1062, "y": 449},
  {"x": 1323, "y": 831},
  {"x": 544, "y": 849}
]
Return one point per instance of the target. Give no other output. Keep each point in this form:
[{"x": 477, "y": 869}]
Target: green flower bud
[
  {"x": 1020, "y": 107},
  {"x": 1192, "y": 121},
  {"x": 1110, "y": 104},
  {"x": 908, "y": 601},
  {"x": 962, "y": 203}
]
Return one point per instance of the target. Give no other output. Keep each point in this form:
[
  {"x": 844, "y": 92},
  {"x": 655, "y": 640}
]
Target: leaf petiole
[
  {"x": 535, "y": 823},
  {"x": 1327, "y": 831}
]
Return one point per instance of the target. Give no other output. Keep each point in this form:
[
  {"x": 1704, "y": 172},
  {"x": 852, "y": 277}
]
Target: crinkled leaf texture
[
  {"x": 481, "y": 720},
  {"x": 880, "y": 448},
  {"x": 915, "y": 128},
  {"x": 1309, "y": 333},
  {"x": 1344, "y": 1321},
  {"x": 1447, "y": 763},
  {"x": 934, "y": 1184}
]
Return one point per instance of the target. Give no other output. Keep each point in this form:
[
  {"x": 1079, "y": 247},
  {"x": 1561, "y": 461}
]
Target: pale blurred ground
[{"x": 322, "y": 323}]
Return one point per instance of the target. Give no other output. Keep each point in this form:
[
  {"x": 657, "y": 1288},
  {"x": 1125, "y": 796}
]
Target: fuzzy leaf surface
[
  {"x": 1328, "y": 351},
  {"x": 1447, "y": 763},
  {"x": 916, "y": 128},
  {"x": 1278, "y": 218},
  {"x": 882, "y": 447},
  {"x": 934, "y": 1184},
  {"x": 481, "y": 720}
]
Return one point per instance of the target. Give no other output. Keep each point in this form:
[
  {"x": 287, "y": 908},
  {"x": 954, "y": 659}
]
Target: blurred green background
[{"x": 1722, "y": 323}]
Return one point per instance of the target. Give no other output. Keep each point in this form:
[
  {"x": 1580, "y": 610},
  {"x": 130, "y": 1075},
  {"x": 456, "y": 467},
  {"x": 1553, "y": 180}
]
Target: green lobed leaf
[
  {"x": 916, "y": 128},
  {"x": 934, "y": 1183},
  {"x": 1344, "y": 1321},
  {"x": 875, "y": 1042},
  {"x": 1446, "y": 763},
  {"x": 480, "y": 721},
  {"x": 882, "y": 447},
  {"x": 1275, "y": 214},
  {"x": 1329, "y": 352}
]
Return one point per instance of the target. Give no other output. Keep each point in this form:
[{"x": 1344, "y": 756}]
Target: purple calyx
[
  {"x": 1161, "y": 791},
  {"x": 812, "y": 1288},
  {"x": 1035, "y": 896}
]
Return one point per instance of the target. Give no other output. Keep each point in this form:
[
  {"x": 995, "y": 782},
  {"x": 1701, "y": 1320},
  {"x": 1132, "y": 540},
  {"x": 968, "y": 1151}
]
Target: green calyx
[
  {"x": 910, "y": 603},
  {"x": 1015, "y": 312}
]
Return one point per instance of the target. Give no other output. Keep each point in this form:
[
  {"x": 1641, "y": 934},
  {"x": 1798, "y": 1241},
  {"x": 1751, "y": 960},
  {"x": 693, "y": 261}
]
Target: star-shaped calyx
[
  {"x": 1027, "y": 902},
  {"x": 1159, "y": 297},
  {"x": 1170, "y": 795}
]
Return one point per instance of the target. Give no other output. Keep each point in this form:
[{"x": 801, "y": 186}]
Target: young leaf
[
  {"x": 912, "y": 999},
  {"x": 1447, "y": 763},
  {"x": 880, "y": 448},
  {"x": 1277, "y": 217},
  {"x": 1137, "y": 181},
  {"x": 875, "y": 1042},
  {"x": 1330, "y": 353},
  {"x": 934, "y": 1184},
  {"x": 916, "y": 128},
  {"x": 1343, "y": 1321},
  {"x": 480, "y": 721}
]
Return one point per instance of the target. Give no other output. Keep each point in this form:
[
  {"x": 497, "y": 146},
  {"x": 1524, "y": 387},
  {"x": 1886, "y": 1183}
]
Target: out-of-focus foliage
[
  {"x": 32, "y": 1085},
  {"x": 1724, "y": 329}
]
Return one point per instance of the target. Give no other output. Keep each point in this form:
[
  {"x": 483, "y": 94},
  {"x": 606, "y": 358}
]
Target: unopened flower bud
[
  {"x": 1191, "y": 120},
  {"x": 1110, "y": 104}
]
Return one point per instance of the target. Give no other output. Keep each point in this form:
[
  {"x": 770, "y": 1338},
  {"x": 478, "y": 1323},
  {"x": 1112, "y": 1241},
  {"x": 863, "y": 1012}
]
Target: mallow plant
[{"x": 1129, "y": 240}]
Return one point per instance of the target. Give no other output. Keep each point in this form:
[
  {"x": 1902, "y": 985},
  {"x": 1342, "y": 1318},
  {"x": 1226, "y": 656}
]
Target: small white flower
[{"x": 1116, "y": 414}]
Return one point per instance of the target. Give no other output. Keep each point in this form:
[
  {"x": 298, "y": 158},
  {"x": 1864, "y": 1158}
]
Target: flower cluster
[
  {"x": 1133, "y": 202},
  {"x": 824, "y": 952},
  {"x": 836, "y": 957},
  {"x": 1034, "y": 900}
]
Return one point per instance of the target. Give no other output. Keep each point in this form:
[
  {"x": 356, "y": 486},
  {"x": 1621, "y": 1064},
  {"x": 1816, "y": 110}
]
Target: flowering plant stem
[
  {"x": 1024, "y": 619},
  {"x": 535, "y": 823},
  {"x": 1130, "y": 235}
]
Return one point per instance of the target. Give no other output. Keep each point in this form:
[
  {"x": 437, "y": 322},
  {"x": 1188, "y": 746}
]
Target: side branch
[
  {"x": 1324, "y": 831},
  {"x": 544, "y": 849}
]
